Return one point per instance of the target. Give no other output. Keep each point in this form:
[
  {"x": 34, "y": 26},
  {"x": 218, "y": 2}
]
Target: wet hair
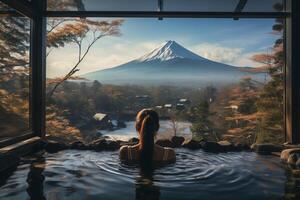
[{"x": 147, "y": 125}]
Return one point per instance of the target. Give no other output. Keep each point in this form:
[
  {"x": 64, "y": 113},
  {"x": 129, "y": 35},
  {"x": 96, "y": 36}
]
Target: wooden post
[
  {"x": 293, "y": 73},
  {"x": 38, "y": 57}
]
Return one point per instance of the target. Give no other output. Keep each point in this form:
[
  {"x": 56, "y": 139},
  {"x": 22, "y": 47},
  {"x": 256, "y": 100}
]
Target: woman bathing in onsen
[{"x": 146, "y": 151}]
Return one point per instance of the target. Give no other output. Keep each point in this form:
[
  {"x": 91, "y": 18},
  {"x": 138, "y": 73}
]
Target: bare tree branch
[{"x": 104, "y": 28}]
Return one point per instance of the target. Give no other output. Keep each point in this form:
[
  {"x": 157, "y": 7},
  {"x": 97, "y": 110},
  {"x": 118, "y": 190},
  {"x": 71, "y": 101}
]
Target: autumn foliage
[
  {"x": 14, "y": 75},
  {"x": 271, "y": 98},
  {"x": 76, "y": 31}
]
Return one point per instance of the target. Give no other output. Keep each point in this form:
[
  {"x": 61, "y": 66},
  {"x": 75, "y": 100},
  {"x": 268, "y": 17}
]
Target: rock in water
[
  {"x": 226, "y": 146},
  {"x": 298, "y": 163},
  {"x": 213, "y": 147},
  {"x": 53, "y": 146},
  {"x": 286, "y": 153},
  {"x": 78, "y": 145},
  {"x": 105, "y": 144},
  {"x": 165, "y": 143},
  {"x": 240, "y": 147},
  {"x": 191, "y": 144},
  {"x": 293, "y": 158},
  {"x": 266, "y": 148},
  {"x": 112, "y": 145},
  {"x": 177, "y": 140},
  {"x": 133, "y": 140},
  {"x": 98, "y": 145}
]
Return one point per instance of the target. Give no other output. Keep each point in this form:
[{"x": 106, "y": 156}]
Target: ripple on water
[{"x": 75, "y": 174}]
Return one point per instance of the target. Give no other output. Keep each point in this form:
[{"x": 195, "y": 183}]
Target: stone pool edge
[{"x": 10, "y": 155}]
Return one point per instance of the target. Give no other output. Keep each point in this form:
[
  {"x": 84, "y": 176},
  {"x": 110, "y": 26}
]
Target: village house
[
  {"x": 159, "y": 107},
  {"x": 184, "y": 101},
  {"x": 180, "y": 106},
  {"x": 168, "y": 106},
  {"x": 102, "y": 121}
]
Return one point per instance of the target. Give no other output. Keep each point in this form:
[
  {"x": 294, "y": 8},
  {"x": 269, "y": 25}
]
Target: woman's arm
[{"x": 123, "y": 152}]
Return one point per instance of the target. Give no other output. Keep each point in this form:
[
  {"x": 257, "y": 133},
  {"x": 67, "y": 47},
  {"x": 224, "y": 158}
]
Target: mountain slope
[{"x": 171, "y": 64}]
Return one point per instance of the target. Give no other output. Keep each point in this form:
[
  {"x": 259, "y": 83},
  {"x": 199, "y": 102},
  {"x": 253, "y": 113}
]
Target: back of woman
[{"x": 146, "y": 151}]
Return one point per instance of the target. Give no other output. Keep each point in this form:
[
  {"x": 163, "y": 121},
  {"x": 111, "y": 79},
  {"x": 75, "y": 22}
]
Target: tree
[
  {"x": 270, "y": 102},
  {"x": 14, "y": 46},
  {"x": 65, "y": 5},
  {"x": 174, "y": 123},
  {"x": 200, "y": 114},
  {"x": 96, "y": 86},
  {"x": 76, "y": 32},
  {"x": 14, "y": 73},
  {"x": 175, "y": 117},
  {"x": 210, "y": 93}
]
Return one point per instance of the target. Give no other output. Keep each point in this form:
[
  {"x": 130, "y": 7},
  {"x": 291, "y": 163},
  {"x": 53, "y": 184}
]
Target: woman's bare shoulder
[
  {"x": 171, "y": 153},
  {"x": 123, "y": 151}
]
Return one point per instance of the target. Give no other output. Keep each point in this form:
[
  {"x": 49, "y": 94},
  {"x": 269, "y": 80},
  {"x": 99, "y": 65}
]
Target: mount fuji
[{"x": 172, "y": 64}]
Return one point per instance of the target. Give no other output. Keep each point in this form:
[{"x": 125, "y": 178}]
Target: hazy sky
[{"x": 223, "y": 40}]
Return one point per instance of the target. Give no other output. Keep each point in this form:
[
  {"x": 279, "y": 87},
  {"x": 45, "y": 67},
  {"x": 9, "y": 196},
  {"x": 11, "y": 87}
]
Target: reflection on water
[
  {"x": 292, "y": 185},
  {"x": 75, "y": 174},
  {"x": 145, "y": 188},
  {"x": 36, "y": 178}
]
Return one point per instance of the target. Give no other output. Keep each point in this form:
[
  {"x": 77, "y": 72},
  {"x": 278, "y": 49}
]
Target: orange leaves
[
  {"x": 14, "y": 103},
  {"x": 278, "y": 48},
  {"x": 67, "y": 33},
  {"x": 75, "y": 30},
  {"x": 103, "y": 25},
  {"x": 53, "y": 80},
  {"x": 64, "y": 5},
  {"x": 59, "y": 126},
  {"x": 251, "y": 118},
  {"x": 104, "y": 28},
  {"x": 263, "y": 58}
]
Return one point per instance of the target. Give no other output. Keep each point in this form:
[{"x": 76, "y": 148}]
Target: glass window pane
[
  {"x": 214, "y": 78},
  {"x": 103, "y": 5},
  {"x": 14, "y": 75},
  {"x": 168, "y": 5},
  {"x": 4, "y": 7},
  {"x": 263, "y": 6},
  {"x": 200, "y": 5},
  {"x": 220, "y": 6}
]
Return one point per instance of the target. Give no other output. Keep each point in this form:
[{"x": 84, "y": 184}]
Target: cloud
[
  {"x": 225, "y": 54},
  {"x": 218, "y": 53}
]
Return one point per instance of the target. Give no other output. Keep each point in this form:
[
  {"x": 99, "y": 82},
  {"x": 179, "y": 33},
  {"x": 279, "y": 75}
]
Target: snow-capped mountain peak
[
  {"x": 169, "y": 50},
  {"x": 172, "y": 64}
]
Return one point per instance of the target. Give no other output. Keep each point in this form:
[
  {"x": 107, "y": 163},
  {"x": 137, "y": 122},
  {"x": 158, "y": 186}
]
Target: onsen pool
[{"x": 74, "y": 174}]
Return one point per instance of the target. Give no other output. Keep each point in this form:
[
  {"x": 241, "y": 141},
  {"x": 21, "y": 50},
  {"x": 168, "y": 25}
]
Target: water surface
[{"x": 74, "y": 174}]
